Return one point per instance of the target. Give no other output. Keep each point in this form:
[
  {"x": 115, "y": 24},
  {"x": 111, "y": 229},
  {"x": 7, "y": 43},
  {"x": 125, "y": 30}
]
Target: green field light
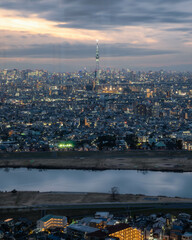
[{"x": 66, "y": 145}]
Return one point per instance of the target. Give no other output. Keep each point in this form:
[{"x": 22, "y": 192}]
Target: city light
[{"x": 66, "y": 145}]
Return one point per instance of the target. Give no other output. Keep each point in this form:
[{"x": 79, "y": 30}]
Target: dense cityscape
[
  {"x": 103, "y": 110},
  {"x": 101, "y": 226},
  {"x": 43, "y": 111}
]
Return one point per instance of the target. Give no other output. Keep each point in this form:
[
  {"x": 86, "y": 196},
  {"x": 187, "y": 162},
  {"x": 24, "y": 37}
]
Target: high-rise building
[
  {"x": 120, "y": 231},
  {"x": 52, "y": 221}
]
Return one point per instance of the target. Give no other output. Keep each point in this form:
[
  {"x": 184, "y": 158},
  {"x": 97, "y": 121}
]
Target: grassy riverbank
[
  {"x": 33, "y": 198},
  {"x": 34, "y": 204},
  {"x": 179, "y": 161}
]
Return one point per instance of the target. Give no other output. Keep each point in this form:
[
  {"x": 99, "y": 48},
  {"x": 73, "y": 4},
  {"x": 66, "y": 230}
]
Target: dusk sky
[{"x": 60, "y": 35}]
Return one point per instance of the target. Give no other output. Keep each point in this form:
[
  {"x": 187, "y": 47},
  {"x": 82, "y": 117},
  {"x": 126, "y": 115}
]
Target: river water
[{"x": 127, "y": 181}]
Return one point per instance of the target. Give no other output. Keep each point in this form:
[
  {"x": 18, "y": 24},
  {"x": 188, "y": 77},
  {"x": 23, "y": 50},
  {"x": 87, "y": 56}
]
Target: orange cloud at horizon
[{"x": 11, "y": 20}]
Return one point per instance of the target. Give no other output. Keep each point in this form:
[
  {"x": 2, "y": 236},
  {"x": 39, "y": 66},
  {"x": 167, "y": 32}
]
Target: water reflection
[{"x": 135, "y": 182}]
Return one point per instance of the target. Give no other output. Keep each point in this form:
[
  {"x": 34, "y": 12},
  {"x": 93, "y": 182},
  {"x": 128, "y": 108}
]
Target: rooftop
[
  {"x": 47, "y": 217},
  {"x": 82, "y": 228}
]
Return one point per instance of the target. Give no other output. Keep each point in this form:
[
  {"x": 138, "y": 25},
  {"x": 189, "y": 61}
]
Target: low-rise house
[
  {"x": 97, "y": 223},
  {"x": 176, "y": 232},
  {"x": 187, "y": 236},
  {"x": 1, "y": 234},
  {"x": 157, "y": 234},
  {"x": 78, "y": 231},
  {"x": 148, "y": 233},
  {"x": 184, "y": 216}
]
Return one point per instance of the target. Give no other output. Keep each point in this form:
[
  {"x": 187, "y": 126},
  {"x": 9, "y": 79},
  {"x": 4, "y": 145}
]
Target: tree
[
  {"x": 114, "y": 193},
  {"x": 171, "y": 145},
  {"x": 106, "y": 141},
  {"x": 179, "y": 144},
  {"x": 14, "y": 191},
  {"x": 132, "y": 141}
]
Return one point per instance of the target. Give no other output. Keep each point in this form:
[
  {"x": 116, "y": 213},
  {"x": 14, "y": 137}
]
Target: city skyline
[{"x": 60, "y": 35}]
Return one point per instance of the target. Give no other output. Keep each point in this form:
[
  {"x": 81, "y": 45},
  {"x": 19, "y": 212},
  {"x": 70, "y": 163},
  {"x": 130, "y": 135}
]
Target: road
[{"x": 109, "y": 205}]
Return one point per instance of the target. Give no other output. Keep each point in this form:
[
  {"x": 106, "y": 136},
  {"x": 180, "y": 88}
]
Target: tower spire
[{"x": 97, "y": 63}]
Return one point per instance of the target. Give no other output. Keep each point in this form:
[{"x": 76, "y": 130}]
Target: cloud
[
  {"x": 171, "y": 1},
  {"x": 42, "y": 30},
  {"x": 180, "y": 29},
  {"x": 68, "y": 51},
  {"x": 99, "y": 14}
]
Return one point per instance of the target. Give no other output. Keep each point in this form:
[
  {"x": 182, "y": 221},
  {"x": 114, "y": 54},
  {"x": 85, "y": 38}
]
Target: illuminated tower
[{"x": 97, "y": 63}]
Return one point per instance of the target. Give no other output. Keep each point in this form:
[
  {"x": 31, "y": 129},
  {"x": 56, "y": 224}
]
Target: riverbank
[
  {"x": 35, "y": 198},
  {"x": 175, "y": 161},
  {"x": 34, "y": 205}
]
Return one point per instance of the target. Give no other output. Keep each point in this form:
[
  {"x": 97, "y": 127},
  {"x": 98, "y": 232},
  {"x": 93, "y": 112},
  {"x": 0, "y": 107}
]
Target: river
[{"x": 128, "y": 181}]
